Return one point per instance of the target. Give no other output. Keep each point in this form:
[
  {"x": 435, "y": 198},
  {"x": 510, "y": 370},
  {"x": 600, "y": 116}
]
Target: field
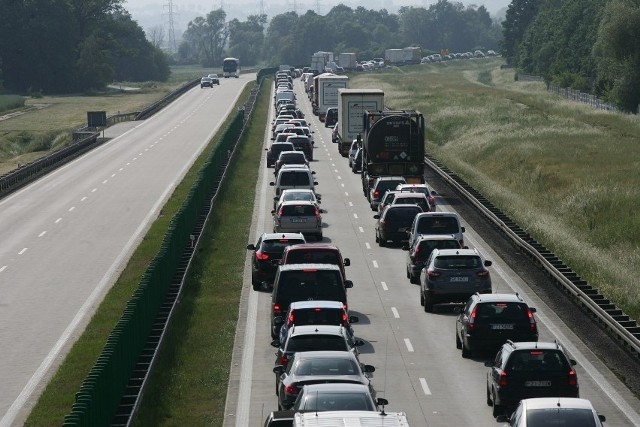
[{"x": 567, "y": 173}]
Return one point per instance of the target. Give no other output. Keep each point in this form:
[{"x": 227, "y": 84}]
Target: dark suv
[
  {"x": 315, "y": 254},
  {"x": 267, "y": 253},
  {"x": 522, "y": 370},
  {"x": 274, "y": 151},
  {"x": 488, "y": 320},
  {"x": 394, "y": 222},
  {"x": 418, "y": 253},
  {"x": 380, "y": 186}
]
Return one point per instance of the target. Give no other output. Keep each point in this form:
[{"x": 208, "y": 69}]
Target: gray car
[
  {"x": 453, "y": 275},
  {"x": 337, "y": 397},
  {"x": 298, "y": 216}
]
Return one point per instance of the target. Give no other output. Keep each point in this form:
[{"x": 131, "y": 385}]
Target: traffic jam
[{"x": 319, "y": 370}]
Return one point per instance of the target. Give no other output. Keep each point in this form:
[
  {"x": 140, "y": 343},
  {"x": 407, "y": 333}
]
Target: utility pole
[{"x": 172, "y": 34}]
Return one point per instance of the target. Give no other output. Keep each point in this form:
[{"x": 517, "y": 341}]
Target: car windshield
[
  {"x": 317, "y": 316},
  {"x": 307, "y": 195},
  {"x": 315, "y": 342},
  {"x": 457, "y": 262},
  {"x": 311, "y": 284},
  {"x": 405, "y": 215},
  {"x": 387, "y": 185},
  {"x": 438, "y": 225},
  {"x": 502, "y": 311},
  {"x": 292, "y": 157},
  {"x": 277, "y": 246},
  {"x": 560, "y": 417},
  {"x": 537, "y": 360},
  {"x": 294, "y": 178},
  {"x": 427, "y": 246},
  {"x": 298, "y": 210},
  {"x": 313, "y": 256},
  {"x": 326, "y": 366},
  {"x": 326, "y": 401}
]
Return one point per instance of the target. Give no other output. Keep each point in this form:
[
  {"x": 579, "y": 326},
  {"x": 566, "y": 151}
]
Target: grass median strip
[{"x": 58, "y": 396}]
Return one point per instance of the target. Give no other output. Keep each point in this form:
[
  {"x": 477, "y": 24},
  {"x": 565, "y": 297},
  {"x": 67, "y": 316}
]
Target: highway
[
  {"x": 418, "y": 369},
  {"x": 66, "y": 238}
]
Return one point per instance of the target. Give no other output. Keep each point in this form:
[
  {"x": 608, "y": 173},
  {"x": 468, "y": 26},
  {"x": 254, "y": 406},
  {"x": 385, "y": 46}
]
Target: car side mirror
[
  {"x": 489, "y": 363},
  {"x": 487, "y": 263},
  {"x": 278, "y": 370},
  {"x": 347, "y": 262},
  {"x": 273, "y": 139},
  {"x": 602, "y": 418},
  {"x": 532, "y": 309},
  {"x": 381, "y": 402},
  {"x": 463, "y": 230},
  {"x": 405, "y": 248},
  {"x": 266, "y": 149},
  {"x": 348, "y": 284},
  {"x": 251, "y": 247},
  {"x": 273, "y": 212},
  {"x": 276, "y": 198},
  {"x": 272, "y": 184},
  {"x": 376, "y": 216},
  {"x": 354, "y": 319},
  {"x": 368, "y": 369},
  {"x": 313, "y": 172},
  {"x": 358, "y": 343},
  {"x": 573, "y": 362},
  {"x": 315, "y": 182},
  {"x": 275, "y": 343},
  {"x": 465, "y": 247}
]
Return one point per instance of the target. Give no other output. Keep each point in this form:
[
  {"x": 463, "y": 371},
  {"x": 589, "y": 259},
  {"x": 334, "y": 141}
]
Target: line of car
[{"x": 312, "y": 330}]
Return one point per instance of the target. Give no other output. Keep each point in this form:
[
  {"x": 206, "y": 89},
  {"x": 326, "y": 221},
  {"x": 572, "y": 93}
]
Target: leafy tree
[
  {"x": 519, "y": 15},
  {"x": 247, "y": 38},
  {"x": 208, "y": 37}
]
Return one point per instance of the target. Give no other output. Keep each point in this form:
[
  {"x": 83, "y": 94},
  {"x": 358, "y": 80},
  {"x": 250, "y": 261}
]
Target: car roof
[
  {"x": 407, "y": 195},
  {"x": 437, "y": 237},
  {"x": 439, "y": 214},
  {"x": 499, "y": 297},
  {"x": 534, "y": 345},
  {"x": 298, "y": 202},
  {"x": 289, "y": 167},
  {"x": 316, "y": 304},
  {"x": 313, "y": 247},
  {"x": 311, "y": 266},
  {"x": 390, "y": 178},
  {"x": 325, "y": 354},
  {"x": 337, "y": 387},
  {"x": 316, "y": 330},
  {"x": 275, "y": 236},
  {"x": 452, "y": 252},
  {"x": 298, "y": 190},
  {"x": 402, "y": 206},
  {"x": 557, "y": 402}
]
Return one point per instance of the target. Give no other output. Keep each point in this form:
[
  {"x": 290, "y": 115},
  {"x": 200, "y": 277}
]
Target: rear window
[
  {"x": 292, "y": 157},
  {"x": 317, "y": 342},
  {"x": 403, "y": 214},
  {"x": 560, "y": 417},
  {"x": 458, "y": 262},
  {"x": 326, "y": 366},
  {"x": 438, "y": 225},
  {"x": 298, "y": 210},
  {"x": 290, "y": 178},
  {"x": 427, "y": 246},
  {"x": 317, "y": 316},
  {"x": 298, "y": 196},
  {"x": 277, "y": 246},
  {"x": 502, "y": 311},
  {"x": 313, "y": 256},
  {"x": 301, "y": 285},
  {"x": 387, "y": 185},
  {"x": 537, "y": 360},
  {"x": 338, "y": 401}
]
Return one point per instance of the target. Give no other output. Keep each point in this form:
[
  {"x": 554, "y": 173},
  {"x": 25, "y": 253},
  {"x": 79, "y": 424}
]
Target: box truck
[
  {"x": 352, "y": 103},
  {"x": 328, "y": 86}
]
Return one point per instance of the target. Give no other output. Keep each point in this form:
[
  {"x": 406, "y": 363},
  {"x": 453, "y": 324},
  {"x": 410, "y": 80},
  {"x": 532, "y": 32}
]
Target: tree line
[
  {"x": 65, "y": 46},
  {"x": 590, "y": 45},
  {"x": 291, "y": 38}
]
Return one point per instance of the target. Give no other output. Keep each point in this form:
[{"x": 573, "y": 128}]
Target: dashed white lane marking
[
  {"x": 105, "y": 181},
  {"x": 395, "y": 312},
  {"x": 367, "y": 245},
  {"x": 361, "y": 229},
  {"x": 342, "y": 185},
  {"x": 384, "y": 286},
  {"x": 408, "y": 344},
  {"x": 22, "y": 251},
  {"x": 113, "y": 175},
  {"x": 94, "y": 190},
  {"x": 120, "y": 170},
  {"x": 351, "y": 204},
  {"x": 58, "y": 220},
  {"x": 128, "y": 164},
  {"x": 346, "y": 194},
  {"x": 355, "y": 216},
  {"x": 83, "y": 199},
  {"x": 72, "y": 208},
  {"x": 335, "y": 170},
  {"x": 333, "y": 165},
  {"x": 3, "y": 268},
  {"x": 425, "y": 387},
  {"x": 339, "y": 177},
  {"x": 42, "y": 234},
  {"x": 375, "y": 263}
]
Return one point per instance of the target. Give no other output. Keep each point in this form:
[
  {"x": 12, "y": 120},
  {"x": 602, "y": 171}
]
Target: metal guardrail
[{"x": 624, "y": 328}]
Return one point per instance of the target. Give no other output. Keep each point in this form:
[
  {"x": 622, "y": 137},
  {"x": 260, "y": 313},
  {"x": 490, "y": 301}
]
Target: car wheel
[
  {"x": 428, "y": 304},
  {"x": 458, "y": 342},
  {"x": 377, "y": 238},
  {"x": 319, "y": 237},
  {"x": 421, "y": 298},
  {"x": 382, "y": 242},
  {"x": 466, "y": 352},
  {"x": 489, "y": 401},
  {"x": 414, "y": 280},
  {"x": 497, "y": 409}
]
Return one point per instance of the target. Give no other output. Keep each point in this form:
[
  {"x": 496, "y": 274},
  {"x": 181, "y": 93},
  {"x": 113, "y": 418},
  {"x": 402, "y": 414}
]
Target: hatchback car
[
  {"x": 331, "y": 118},
  {"x": 554, "y": 411},
  {"x": 315, "y": 312},
  {"x": 380, "y": 186},
  {"x": 315, "y": 254},
  {"x": 522, "y": 370},
  {"x": 409, "y": 198},
  {"x": 453, "y": 275},
  {"x": 267, "y": 253},
  {"x": 488, "y": 320},
  {"x": 418, "y": 253},
  {"x": 312, "y": 367},
  {"x": 297, "y": 194},
  {"x": 394, "y": 222},
  {"x": 420, "y": 188},
  {"x": 294, "y": 176},
  {"x": 214, "y": 79},
  {"x": 386, "y": 200},
  {"x": 337, "y": 397},
  {"x": 437, "y": 223},
  {"x": 302, "y": 143},
  {"x": 298, "y": 217},
  {"x": 205, "y": 82},
  {"x": 273, "y": 152},
  {"x": 290, "y": 158}
]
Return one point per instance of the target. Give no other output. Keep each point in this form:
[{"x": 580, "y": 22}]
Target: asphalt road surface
[
  {"x": 66, "y": 237},
  {"x": 418, "y": 368}
]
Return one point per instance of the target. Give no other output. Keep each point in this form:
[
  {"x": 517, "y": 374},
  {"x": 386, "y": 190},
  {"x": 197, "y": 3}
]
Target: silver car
[{"x": 298, "y": 216}]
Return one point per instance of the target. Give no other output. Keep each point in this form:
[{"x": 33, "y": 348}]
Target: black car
[
  {"x": 522, "y": 370},
  {"x": 394, "y": 222},
  {"x": 488, "y": 320},
  {"x": 274, "y": 151},
  {"x": 380, "y": 186},
  {"x": 331, "y": 118},
  {"x": 418, "y": 253},
  {"x": 267, "y": 254}
]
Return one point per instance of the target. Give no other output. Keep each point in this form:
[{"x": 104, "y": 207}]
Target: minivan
[
  {"x": 294, "y": 176},
  {"x": 305, "y": 282},
  {"x": 436, "y": 223}
]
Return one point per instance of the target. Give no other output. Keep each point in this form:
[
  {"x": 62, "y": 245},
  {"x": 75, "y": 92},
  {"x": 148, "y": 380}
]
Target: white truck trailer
[
  {"x": 411, "y": 55},
  {"x": 393, "y": 57},
  {"x": 347, "y": 61},
  {"x": 352, "y": 103},
  {"x": 328, "y": 86}
]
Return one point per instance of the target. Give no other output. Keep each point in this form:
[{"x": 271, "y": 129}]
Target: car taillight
[
  {"x": 472, "y": 318},
  {"x": 376, "y": 194},
  {"x": 433, "y": 274},
  {"x": 261, "y": 256},
  {"x": 573, "y": 378},
  {"x": 290, "y": 319},
  {"x": 291, "y": 389},
  {"x": 532, "y": 322},
  {"x": 284, "y": 360},
  {"x": 276, "y": 308},
  {"x": 503, "y": 379},
  {"x": 483, "y": 273},
  {"x": 280, "y": 213}
]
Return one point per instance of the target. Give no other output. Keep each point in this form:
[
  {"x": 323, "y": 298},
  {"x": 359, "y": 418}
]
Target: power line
[{"x": 172, "y": 34}]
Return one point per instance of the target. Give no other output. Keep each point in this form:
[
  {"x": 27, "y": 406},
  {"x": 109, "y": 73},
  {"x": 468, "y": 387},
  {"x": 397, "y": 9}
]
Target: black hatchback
[
  {"x": 394, "y": 222},
  {"x": 267, "y": 255}
]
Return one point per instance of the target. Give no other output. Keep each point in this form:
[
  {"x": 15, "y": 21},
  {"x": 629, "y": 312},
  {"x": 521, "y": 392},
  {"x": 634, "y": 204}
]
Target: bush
[{"x": 11, "y": 102}]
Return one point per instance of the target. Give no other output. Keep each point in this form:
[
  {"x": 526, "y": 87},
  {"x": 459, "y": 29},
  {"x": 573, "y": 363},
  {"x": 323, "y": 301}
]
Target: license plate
[
  {"x": 298, "y": 219},
  {"x": 537, "y": 383},
  {"x": 459, "y": 279},
  {"x": 502, "y": 326}
]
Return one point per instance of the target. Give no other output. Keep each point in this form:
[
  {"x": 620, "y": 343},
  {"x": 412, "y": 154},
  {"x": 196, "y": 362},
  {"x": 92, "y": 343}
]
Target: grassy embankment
[
  {"x": 566, "y": 172},
  {"x": 57, "y": 398}
]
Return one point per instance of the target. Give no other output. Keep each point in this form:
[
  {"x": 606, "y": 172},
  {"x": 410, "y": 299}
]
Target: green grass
[
  {"x": 567, "y": 173},
  {"x": 58, "y": 397},
  {"x": 10, "y": 102}
]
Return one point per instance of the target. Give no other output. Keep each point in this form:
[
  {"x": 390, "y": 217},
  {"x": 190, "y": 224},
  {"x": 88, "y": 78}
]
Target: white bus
[{"x": 231, "y": 67}]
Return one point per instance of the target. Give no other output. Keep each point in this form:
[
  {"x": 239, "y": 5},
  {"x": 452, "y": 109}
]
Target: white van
[
  {"x": 436, "y": 223},
  {"x": 294, "y": 176},
  {"x": 350, "y": 418}
]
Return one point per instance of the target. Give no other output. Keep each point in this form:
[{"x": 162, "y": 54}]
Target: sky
[{"x": 155, "y": 13}]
